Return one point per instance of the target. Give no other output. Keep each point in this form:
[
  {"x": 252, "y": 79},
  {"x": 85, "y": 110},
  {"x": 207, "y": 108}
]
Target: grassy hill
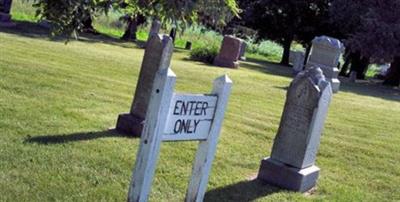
[{"x": 58, "y": 101}]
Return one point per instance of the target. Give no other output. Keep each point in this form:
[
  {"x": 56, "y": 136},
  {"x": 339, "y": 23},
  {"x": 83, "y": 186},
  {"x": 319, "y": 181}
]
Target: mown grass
[{"x": 58, "y": 101}]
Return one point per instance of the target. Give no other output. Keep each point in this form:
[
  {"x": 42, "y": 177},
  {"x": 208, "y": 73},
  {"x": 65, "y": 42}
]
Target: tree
[
  {"x": 68, "y": 16},
  {"x": 378, "y": 37},
  {"x": 286, "y": 21}
]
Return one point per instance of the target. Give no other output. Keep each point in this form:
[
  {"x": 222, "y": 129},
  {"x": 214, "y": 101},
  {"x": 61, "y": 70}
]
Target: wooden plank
[
  {"x": 206, "y": 151},
  {"x": 190, "y": 117},
  {"x": 150, "y": 141}
]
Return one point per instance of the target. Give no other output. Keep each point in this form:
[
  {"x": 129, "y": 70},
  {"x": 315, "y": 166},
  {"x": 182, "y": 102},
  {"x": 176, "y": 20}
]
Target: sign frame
[{"x": 154, "y": 133}]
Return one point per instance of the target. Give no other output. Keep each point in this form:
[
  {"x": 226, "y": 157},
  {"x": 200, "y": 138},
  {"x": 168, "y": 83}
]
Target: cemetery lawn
[{"x": 58, "y": 101}]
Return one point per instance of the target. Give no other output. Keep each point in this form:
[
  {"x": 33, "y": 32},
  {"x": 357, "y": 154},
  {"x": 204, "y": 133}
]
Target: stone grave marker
[
  {"x": 179, "y": 117},
  {"x": 155, "y": 28},
  {"x": 5, "y": 17},
  {"x": 298, "y": 62},
  {"x": 243, "y": 51},
  {"x": 291, "y": 164},
  {"x": 229, "y": 53},
  {"x": 325, "y": 53},
  {"x": 157, "y": 55}
]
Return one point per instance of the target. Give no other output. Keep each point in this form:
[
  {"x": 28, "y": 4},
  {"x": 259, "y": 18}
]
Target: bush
[{"x": 205, "y": 52}]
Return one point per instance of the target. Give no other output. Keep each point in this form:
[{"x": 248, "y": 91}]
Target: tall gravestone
[
  {"x": 325, "y": 53},
  {"x": 291, "y": 164},
  {"x": 229, "y": 53},
  {"x": 157, "y": 55},
  {"x": 5, "y": 17}
]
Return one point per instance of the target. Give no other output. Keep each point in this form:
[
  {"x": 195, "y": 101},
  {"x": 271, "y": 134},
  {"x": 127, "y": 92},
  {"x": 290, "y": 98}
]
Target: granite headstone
[
  {"x": 157, "y": 55},
  {"x": 229, "y": 53},
  {"x": 291, "y": 164},
  {"x": 325, "y": 53}
]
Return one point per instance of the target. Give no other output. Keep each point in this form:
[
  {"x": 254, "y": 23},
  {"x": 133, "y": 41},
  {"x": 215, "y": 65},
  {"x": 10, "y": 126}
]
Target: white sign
[
  {"x": 178, "y": 117},
  {"x": 190, "y": 117}
]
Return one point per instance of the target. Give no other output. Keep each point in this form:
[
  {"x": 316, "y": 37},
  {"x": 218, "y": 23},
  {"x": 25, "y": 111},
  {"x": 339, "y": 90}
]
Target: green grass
[{"x": 57, "y": 102}]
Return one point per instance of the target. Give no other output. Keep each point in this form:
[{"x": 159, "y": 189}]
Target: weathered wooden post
[
  {"x": 150, "y": 141},
  {"x": 179, "y": 117}
]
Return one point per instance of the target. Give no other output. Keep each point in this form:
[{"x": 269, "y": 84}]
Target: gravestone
[
  {"x": 5, "y": 17},
  {"x": 298, "y": 62},
  {"x": 243, "y": 51},
  {"x": 188, "y": 45},
  {"x": 291, "y": 164},
  {"x": 325, "y": 53},
  {"x": 155, "y": 28},
  {"x": 291, "y": 56},
  {"x": 229, "y": 53},
  {"x": 157, "y": 55},
  {"x": 179, "y": 117}
]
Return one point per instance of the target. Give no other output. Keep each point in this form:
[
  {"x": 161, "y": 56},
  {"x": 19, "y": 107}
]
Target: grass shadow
[
  {"x": 242, "y": 191},
  {"x": 264, "y": 66},
  {"x": 35, "y": 30},
  {"x": 372, "y": 88},
  {"x": 65, "y": 138}
]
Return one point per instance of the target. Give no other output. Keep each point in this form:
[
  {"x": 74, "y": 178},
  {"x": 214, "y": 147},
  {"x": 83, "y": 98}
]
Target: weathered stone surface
[
  {"x": 298, "y": 62},
  {"x": 281, "y": 175},
  {"x": 229, "y": 53},
  {"x": 296, "y": 144},
  {"x": 157, "y": 55},
  {"x": 325, "y": 53},
  {"x": 155, "y": 28}
]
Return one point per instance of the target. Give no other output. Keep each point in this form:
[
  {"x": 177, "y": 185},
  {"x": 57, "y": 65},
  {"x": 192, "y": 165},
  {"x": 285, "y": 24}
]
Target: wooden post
[
  {"x": 156, "y": 118},
  {"x": 206, "y": 151}
]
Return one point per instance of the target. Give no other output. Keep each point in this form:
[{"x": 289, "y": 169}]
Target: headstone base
[
  {"x": 335, "y": 83},
  {"x": 130, "y": 125},
  {"x": 287, "y": 177},
  {"x": 221, "y": 62}
]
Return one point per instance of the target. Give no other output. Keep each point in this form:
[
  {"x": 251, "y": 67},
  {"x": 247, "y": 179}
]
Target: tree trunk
[
  {"x": 130, "y": 32},
  {"x": 347, "y": 61},
  {"x": 172, "y": 34},
  {"x": 359, "y": 64},
  {"x": 307, "y": 53},
  {"x": 393, "y": 76},
  {"x": 87, "y": 25},
  {"x": 286, "y": 51}
]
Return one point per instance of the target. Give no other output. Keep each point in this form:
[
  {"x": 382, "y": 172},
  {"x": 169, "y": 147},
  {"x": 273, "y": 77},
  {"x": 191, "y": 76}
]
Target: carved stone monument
[
  {"x": 325, "y": 53},
  {"x": 157, "y": 55},
  {"x": 5, "y": 17},
  {"x": 298, "y": 62},
  {"x": 291, "y": 164},
  {"x": 229, "y": 53}
]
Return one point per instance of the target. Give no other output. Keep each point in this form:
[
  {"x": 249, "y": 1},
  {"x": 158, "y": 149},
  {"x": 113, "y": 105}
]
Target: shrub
[{"x": 206, "y": 52}]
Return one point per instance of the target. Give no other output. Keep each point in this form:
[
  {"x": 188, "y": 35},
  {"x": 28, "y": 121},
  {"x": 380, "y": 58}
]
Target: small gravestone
[
  {"x": 353, "y": 76},
  {"x": 188, "y": 45},
  {"x": 157, "y": 55},
  {"x": 291, "y": 164},
  {"x": 179, "y": 117},
  {"x": 229, "y": 53},
  {"x": 325, "y": 53},
  {"x": 292, "y": 55},
  {"x": 5, "y": 17},
  {"x": 298, "y": 62},
  {"x": 243, "y": 51}
]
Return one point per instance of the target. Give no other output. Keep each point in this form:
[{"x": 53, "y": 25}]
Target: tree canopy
[{"x": 68, "y": 16}]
